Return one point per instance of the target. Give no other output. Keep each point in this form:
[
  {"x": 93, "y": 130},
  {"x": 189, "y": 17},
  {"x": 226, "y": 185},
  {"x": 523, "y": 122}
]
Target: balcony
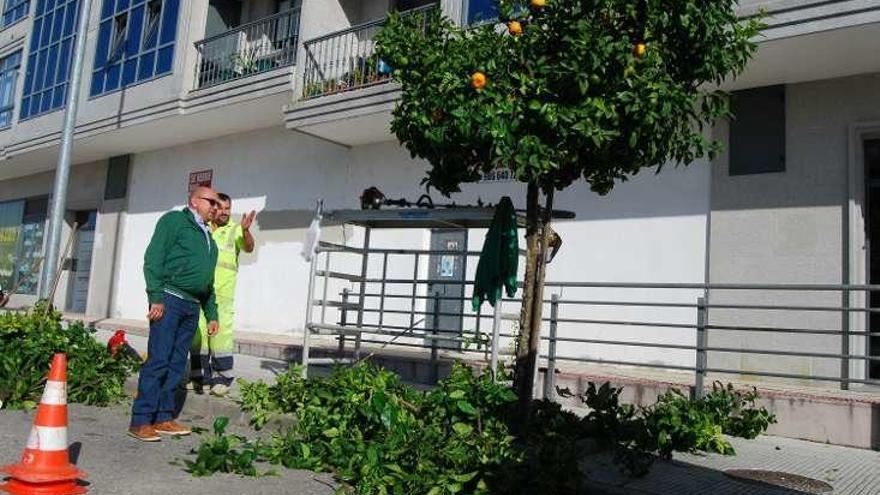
[
  {"x": 261, "y": 46},
  {"x": 345, "y": 96},
  {"x": 346, "y": 60}
]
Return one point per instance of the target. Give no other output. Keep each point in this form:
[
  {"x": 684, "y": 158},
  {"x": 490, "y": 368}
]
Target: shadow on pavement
[
  {"x": 672, "y": 477},
  {"x": 73, "y": 452}
]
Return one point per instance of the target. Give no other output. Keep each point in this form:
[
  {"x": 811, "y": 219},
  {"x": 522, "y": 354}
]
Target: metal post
[
  {"x": 326, "y": 287},
  {"x": 700, "y": 371},
  {"x": 844, "y": 341},
  {"x": 363, "y": 290},
  {"x": 382, "y": 290},
  {"x": 307, "y": 331},
  {"x": 62, "y": 172},
  {"x": 550, "y": 374},
  {"x": 343, "y": 320},
  {"x": 496, "y": 330},
  {"x": 434, "y": 366},
  {"x": 477, "y": 332},
  {"x": 415, "y": 288}
]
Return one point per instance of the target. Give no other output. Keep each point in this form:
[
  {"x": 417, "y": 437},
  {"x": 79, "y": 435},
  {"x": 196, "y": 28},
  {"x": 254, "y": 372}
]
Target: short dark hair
[{"x": 224, "y": 197}]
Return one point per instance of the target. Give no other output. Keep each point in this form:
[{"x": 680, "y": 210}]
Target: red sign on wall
[{"x": 200, "y": 178}]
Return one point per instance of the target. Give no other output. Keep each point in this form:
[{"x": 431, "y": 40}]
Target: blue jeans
[{"x": 167, "y": 351}]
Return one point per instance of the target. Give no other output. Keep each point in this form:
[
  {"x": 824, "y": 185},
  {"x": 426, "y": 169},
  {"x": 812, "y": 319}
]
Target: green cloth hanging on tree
[{"x": 499, "y": 259}]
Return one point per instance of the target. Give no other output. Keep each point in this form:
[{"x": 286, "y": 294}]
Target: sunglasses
[{"x": 213, "y": 202}]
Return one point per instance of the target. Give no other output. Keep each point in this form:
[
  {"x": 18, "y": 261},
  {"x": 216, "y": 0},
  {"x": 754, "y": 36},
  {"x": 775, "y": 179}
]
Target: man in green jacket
[{"x": 179, "y": 272}]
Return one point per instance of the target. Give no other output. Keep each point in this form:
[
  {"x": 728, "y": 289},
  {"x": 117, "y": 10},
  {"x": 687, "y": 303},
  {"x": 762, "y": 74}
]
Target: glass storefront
[{"x": 22, "y": 225}]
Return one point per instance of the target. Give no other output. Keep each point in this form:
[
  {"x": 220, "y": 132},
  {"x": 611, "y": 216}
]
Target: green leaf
[
  {"x": 220, "y": 424},
  {"x": 331, "y": 432},
  {"x": 464, "y": 478},
  {"x": 467, "y": 408},
  {"x": 463, "y": 428}
]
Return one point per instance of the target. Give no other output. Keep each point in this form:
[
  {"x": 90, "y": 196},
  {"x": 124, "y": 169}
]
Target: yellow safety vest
[{"x": 229, "y": 239}]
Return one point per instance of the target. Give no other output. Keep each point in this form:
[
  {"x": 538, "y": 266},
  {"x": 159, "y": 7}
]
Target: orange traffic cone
[{"x": 45, "y": 467}]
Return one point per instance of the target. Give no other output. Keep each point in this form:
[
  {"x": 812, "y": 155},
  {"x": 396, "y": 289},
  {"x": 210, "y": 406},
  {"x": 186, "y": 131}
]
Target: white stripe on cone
[
  {"x": 48, "y": 438},
  {"x": 55, "y": 393}
]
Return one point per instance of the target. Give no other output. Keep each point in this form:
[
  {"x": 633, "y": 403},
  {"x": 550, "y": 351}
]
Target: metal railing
[
  {"x": 793, "y": 332},
  {"x": 346, "y": 60},
  {"x": 260, "y": 46},
  {"x": 805, "y": 334}
]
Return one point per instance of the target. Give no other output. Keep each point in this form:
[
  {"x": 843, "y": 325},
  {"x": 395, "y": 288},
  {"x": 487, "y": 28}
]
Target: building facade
[{"x": 281, "y": 103}]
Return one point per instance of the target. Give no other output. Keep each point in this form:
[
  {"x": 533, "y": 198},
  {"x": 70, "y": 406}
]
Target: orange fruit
[
  {"x": 478, "y": 80},
  {"x": 539, "y": 3},
  {"x": 515, "y": 28},
  {"x": 640, "y": 49}
]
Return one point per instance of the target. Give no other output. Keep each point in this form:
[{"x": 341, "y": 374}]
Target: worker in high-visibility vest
[{"x": 211, "y": 356}]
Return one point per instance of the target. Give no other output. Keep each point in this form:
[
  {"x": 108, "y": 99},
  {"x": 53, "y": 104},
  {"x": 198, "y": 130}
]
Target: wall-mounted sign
[
  {"x": 447, "y": 261},
  {"x": 501, "y": 174},
  {"x": 200, "y": 178}
]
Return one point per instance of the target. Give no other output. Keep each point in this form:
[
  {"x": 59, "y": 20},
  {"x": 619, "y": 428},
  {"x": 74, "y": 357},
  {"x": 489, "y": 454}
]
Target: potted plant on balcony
[{"x": 312, "y": 89}]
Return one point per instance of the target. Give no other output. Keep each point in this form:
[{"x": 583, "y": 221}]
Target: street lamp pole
[{"x": 62, "y": 172}]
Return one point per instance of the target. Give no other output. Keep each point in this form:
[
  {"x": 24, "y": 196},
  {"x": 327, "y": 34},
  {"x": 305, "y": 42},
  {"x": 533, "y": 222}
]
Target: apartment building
[{"x": 282, "y": 103}]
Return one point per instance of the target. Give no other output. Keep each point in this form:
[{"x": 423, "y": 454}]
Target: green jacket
[
  {"x": 181, "y": 260},
  {"x": 499, "y": 259}
]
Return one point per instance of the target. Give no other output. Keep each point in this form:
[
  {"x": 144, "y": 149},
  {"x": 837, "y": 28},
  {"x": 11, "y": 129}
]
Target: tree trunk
[{"x": 533, "y": 298}]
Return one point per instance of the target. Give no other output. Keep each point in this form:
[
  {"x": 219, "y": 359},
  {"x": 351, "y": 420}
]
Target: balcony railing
[
  {"x": 259, "y": 46},
  {"x": 346, "y": 60}
]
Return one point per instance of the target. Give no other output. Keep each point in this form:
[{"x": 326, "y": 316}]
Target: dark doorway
[
  {"x": 81, "y": 262},
  {"x": 447, "y": 299},
  {"x": 872, "y": 223}
]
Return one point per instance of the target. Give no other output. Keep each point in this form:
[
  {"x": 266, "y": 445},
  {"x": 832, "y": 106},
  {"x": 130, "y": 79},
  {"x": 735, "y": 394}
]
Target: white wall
[
  {"x": 271, "y": 171},
  {"x": 649, "y": 229},
  {"x": 789, "y": 228}
]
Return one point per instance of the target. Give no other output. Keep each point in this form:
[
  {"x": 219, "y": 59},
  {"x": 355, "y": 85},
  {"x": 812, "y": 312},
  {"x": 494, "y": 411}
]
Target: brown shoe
[
  {"x": 144, "y": 433},
  {"x": 172, "y": 428}
]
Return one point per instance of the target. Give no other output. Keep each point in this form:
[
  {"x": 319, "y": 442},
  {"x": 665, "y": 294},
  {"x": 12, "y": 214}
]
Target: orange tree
[{"x": 560, "y": 91}]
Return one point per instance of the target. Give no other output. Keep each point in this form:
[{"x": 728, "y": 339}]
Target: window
[
  {"x": 135, "y": 43},
  {"x": 22, "y": 225},
  {"x": 30, "y": 250},
  {"x": 116, "y": 184},
  {"x": 14, "y": 11},
  {"x": 9, "y": 66},
  {"x": 117, "y": 41},
  {"x": 757, "y": 131},
  {"x": 154, "y": 11},
  {"x": 480, "y": 11},
  {"x": 48, "y": 60}
]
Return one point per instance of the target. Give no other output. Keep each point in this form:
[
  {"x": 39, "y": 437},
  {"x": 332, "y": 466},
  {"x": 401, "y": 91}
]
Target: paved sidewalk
[
  {"x": 849, "y": 471},
  {"x": 117, "y": 464}
]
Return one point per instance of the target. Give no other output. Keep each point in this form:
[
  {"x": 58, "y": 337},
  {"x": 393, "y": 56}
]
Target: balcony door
[
  {"x": 285, "y": 5},
  {"x": 872, "y": 227},
  {"x": 223, "y": 15}
]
